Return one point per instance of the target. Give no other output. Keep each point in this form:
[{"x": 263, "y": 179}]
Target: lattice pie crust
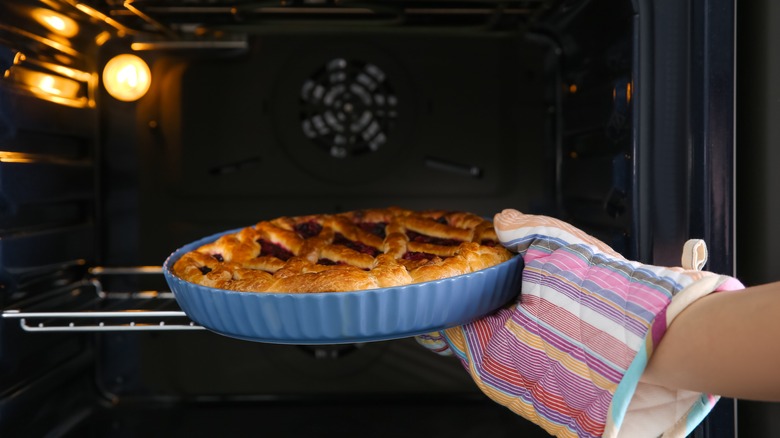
[{"x": 351, "y": 251}]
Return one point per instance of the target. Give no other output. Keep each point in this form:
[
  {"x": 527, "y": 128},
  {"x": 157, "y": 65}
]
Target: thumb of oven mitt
[{"x": 569, "y": 353}]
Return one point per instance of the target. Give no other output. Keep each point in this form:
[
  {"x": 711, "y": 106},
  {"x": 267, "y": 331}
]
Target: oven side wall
[
  {"x": 48, "y": 236},
  {"x": 758, "y": 181}
]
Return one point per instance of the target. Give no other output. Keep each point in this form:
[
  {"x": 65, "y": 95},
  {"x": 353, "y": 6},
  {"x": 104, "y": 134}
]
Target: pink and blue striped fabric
[{"x": 569, "y": 354}]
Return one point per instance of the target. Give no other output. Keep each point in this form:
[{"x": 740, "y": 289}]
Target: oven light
[
  {"x": 47, "y": 86},
  {"x": 56, "y": 23},
  {"x": 127, "y": 77},
  {"x": 58, "y": 86},
  {"x": 51, "y": 85}
]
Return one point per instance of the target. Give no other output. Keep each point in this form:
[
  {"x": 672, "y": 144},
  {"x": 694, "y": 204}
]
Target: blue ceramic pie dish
[{"x": 344, "y": 317}]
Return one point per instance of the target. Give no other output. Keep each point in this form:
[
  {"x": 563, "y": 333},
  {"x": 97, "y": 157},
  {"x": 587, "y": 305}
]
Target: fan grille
[{"x": 348, "y": 108}]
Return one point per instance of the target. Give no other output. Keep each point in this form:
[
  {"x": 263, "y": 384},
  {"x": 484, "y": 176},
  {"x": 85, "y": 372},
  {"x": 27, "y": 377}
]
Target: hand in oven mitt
[{"x": 568, "y": 355}]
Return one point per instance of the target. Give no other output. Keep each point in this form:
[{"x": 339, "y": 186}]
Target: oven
[{"x": 614, "y": 115}]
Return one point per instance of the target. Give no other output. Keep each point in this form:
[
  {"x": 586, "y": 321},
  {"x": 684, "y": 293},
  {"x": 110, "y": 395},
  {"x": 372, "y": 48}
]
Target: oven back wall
[{"x": 332, "y": 122}]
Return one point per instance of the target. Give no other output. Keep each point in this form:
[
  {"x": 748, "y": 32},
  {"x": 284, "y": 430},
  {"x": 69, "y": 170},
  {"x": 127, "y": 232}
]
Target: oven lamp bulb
[{"x": 127, "y": 77}]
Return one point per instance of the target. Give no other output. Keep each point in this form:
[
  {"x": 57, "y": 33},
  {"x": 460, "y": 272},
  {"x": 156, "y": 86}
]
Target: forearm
[{"x": 726, "y": 343}]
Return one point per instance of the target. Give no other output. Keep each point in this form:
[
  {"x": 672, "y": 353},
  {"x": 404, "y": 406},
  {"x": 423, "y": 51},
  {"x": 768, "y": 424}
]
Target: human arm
[{"x": 725, "y": 343}]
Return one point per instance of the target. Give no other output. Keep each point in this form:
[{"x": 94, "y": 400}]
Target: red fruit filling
[
  {"x": 204, "y": 270},
  {"x": 415, "y": 256},
  {"x": 328, "y": 262},
  {"x": 218, "y": 257},
  {"x": 339, "y": 239},
  {"x": 375, "y": 228},
  {"x": 421, "y": 238},
  {"x": 274, "y": 250},
  {"x": 308, "y": 229}
]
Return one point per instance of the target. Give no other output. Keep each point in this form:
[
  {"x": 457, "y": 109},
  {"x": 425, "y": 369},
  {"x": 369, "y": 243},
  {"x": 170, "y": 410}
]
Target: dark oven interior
[{"x": 263, "y": 109}]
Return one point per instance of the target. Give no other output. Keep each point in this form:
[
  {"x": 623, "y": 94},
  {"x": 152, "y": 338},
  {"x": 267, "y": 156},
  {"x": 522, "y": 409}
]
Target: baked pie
[{"x": 357, "y": 250}]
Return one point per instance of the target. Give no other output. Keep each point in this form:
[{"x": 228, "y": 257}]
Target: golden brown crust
[{"x": 357, "y": 250}]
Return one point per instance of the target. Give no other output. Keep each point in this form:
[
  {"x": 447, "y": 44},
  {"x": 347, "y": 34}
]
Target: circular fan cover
[{"x": 348, "y": 108}]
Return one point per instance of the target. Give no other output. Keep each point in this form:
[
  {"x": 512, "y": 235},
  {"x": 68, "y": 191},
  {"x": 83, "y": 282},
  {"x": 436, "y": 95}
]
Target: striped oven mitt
[{"x": 568, "y": 355}]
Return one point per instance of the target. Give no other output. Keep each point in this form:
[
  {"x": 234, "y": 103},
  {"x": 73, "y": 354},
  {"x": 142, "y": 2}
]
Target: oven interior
[{"x": 263, "y": 109}]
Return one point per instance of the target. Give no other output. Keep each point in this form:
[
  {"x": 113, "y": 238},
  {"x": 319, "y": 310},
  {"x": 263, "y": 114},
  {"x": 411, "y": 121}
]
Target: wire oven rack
[{"x": 85, "y": 306}]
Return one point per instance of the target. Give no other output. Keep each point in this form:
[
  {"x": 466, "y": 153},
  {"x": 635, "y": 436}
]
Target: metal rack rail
[{"x": 98, "y": 310}]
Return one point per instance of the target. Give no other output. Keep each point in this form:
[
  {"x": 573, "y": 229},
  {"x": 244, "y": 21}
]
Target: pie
[{"x": 352, "y": 251}]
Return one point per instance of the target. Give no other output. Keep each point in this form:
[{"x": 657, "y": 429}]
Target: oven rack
[{"x": 88, "y": 307}]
